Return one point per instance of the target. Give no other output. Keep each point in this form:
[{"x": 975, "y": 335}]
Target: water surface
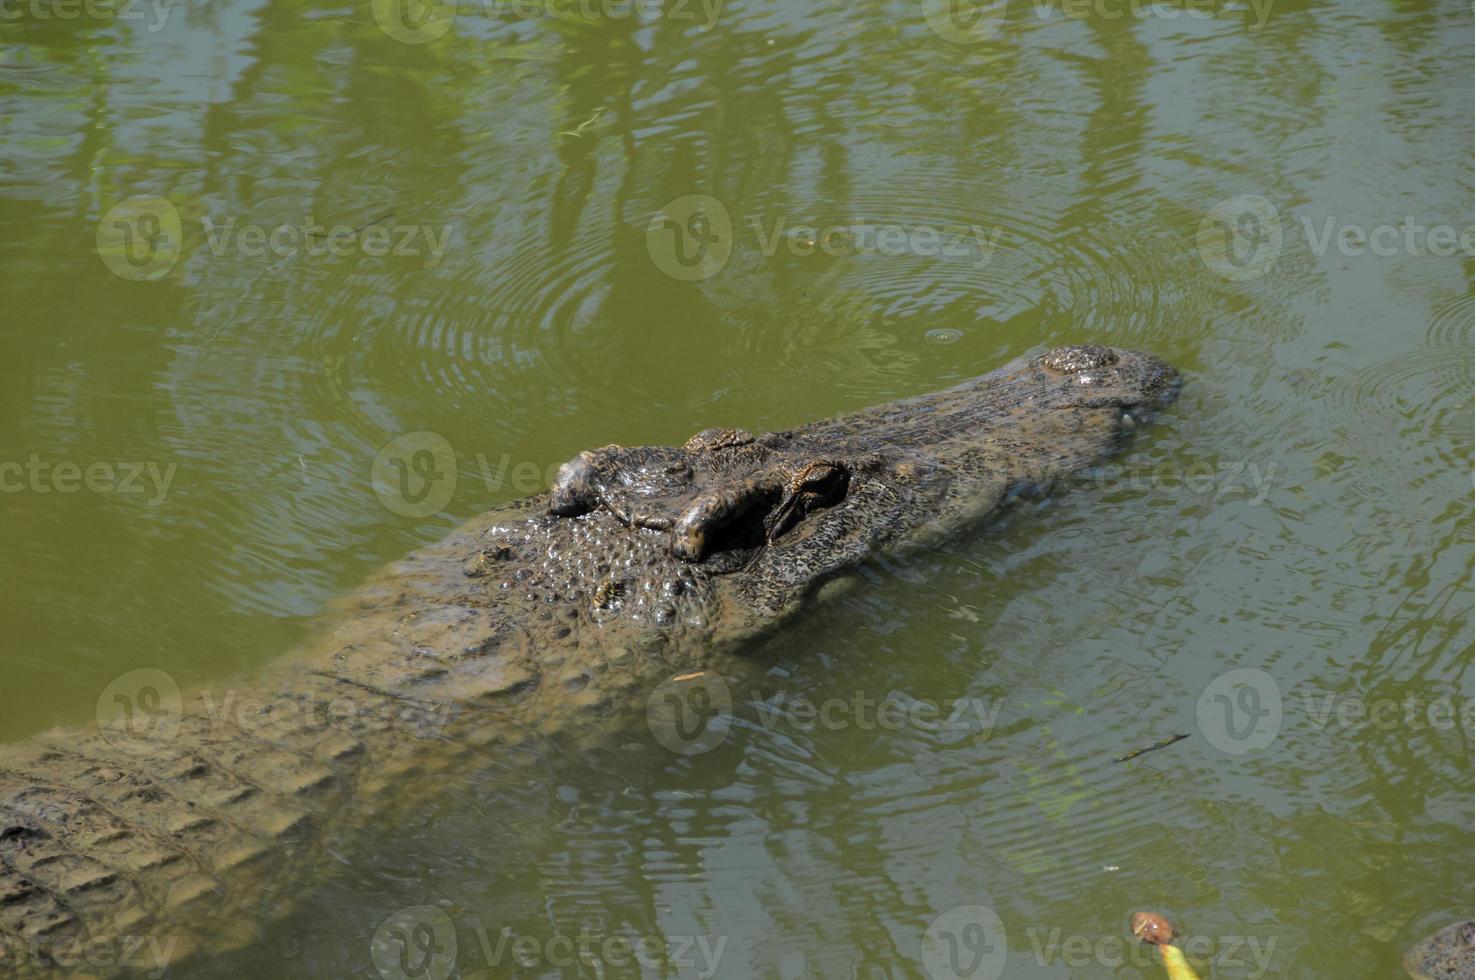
[{"x": 199, "y": 373}]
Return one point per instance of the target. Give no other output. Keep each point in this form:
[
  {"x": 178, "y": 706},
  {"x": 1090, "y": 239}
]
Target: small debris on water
[
  {"x": 943, "y": 335},
  {"x": 1160, "y": 744}
]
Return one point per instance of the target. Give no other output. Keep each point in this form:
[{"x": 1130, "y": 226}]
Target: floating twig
[
  {"x": 367, "y": 224},
  {"x": 1160, "y": 744},
  {"x": 578, "y": 130}
]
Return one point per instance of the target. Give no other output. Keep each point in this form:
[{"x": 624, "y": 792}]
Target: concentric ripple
[
  {"x": 946, "y": 275},
  {"x": 1429, "y": 392},
  {"x": 1453, "y": 323}
]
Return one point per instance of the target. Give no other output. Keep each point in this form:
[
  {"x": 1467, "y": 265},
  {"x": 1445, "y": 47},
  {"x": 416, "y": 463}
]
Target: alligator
[{"x": 195, "y": 818}]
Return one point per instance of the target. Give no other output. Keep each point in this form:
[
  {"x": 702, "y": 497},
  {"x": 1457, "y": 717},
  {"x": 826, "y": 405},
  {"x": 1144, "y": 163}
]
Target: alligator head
[
  {"x": 787, "y": 508},
  {"x": 724, "y": 536},
  {"x": 693, "y": 550}
]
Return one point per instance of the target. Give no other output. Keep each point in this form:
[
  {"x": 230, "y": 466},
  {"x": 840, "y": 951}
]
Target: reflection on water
[{"x": 472, "y": 235}]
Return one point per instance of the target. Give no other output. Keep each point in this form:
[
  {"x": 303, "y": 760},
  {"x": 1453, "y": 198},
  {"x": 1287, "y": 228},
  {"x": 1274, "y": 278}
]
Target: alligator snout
[{"x": 1134, "y": 379}]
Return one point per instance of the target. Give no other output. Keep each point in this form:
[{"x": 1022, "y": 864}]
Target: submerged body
[{"x": 561, "y": 611}]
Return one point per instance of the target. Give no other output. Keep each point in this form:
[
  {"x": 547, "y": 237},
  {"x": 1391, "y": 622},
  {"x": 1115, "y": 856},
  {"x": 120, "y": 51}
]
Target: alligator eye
[{"x": 1079, "y": 357}]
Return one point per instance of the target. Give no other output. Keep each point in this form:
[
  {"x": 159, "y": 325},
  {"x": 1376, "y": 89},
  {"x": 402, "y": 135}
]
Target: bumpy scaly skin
[
  {"x": 555, "y": 613},
  {"x": 1448, "y": 954}
]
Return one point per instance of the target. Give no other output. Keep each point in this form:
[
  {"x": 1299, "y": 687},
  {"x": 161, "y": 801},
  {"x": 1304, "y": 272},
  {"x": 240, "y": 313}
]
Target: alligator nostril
[
  {"x": 574, "y": 491},
  {"x": 1078, "y": 357}
]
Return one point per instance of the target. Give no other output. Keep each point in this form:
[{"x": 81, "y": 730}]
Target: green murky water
[{"x": 248, "y": 244}]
